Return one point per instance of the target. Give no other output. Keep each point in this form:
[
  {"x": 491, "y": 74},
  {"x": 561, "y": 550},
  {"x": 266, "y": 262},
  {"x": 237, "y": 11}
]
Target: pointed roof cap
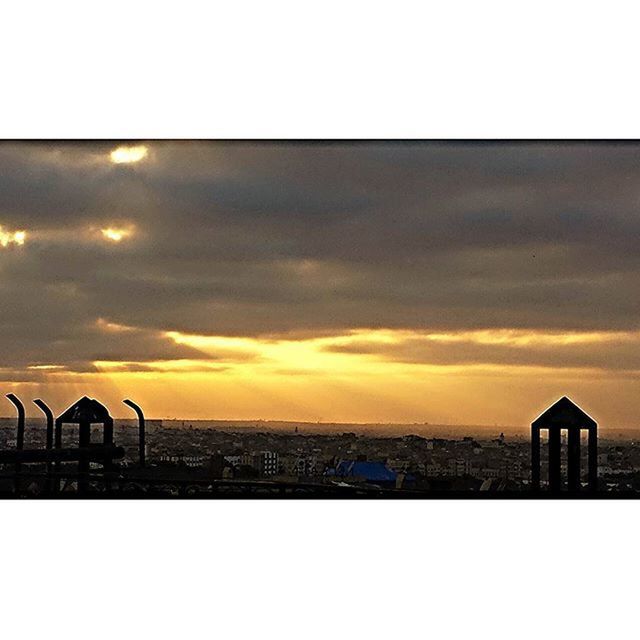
[
  {"x": 564, "y": 413},
  {"x": 85, "y": 410}
]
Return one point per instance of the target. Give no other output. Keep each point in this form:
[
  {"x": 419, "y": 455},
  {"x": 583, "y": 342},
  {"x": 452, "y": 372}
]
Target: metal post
[
  {"x": 535, "y": 458},
  {"x": 19, "y": 435},
  {"x": 593, "y": 459},
  {"x": 555, "y": 482},
  {"x": 141, "y": 430},
  {"x": 573, "y": 459},
  {"x": 49, "y": 416},
  {"x": 83, "y": 464},
  {"x": 107, "y": 465},
  {"x": 20, "y": 408},
  {"x": 58, "y": 445},
  {"x": 107, "y": 436}
]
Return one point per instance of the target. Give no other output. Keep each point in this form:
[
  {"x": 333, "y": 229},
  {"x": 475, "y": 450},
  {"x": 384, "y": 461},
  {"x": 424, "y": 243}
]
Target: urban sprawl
[{"x": 408, "y": 462}]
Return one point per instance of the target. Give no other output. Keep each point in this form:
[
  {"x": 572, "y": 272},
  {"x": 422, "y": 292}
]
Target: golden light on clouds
[
  {"x": 284, "y": 356},
  {"x": 128, "y": 155},
  {"x": 524, "y": 338},
  {"x": 45, "y": 367},
  {"x": 116, "y": 234},
  {"x": 12, "y": 237},
  {"x": 331, "y": 355},
  {"x": 319, "y": 378}
]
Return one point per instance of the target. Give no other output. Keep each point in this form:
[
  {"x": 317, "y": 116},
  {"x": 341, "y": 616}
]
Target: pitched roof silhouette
[
  {"x": 85, "y": 410},
  {"x": 564, "y": 413}
]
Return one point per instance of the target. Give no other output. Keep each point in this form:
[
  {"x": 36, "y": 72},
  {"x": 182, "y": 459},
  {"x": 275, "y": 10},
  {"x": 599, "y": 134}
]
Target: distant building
[
  {"x": 459, "y": 467},
  {"x": 234, "y": 460},
  {"x": 266, "y": 463},
  {"x": 511, "y": 469},
  {"x": 220, "y": 467},
  {"x": 180, "y": 459},
  {"x": 433, "y": 469},
  {"x": 399, "y": 465},
  {"x": 300, "y": 466}
]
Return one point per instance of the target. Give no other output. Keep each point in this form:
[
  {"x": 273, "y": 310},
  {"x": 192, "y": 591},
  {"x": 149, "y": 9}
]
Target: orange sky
[{"x": 319, "y": 379}]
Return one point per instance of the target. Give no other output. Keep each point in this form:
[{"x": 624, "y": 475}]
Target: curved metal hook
[
  {"x": 17, "y": 403},
  {"x": 49, "y": 416},
  {"x": 141, "y": 431},
  {"x": 135, "y": 407}
]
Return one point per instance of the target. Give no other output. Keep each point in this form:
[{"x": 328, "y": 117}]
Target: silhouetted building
[
  {"x": 564, "y": 414},
  {"x": 266, "y": 463},
  {"x": 84, "y": 413}
]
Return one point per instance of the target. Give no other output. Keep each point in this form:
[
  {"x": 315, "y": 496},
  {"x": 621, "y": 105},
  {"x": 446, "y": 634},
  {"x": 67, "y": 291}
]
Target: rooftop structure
[{"x": 564, "y": 415}]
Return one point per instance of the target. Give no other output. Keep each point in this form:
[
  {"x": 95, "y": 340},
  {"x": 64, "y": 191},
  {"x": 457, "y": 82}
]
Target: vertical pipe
[
  {"x": 573, "y": 459},
  {"x": 58, "y": 434},
  {"x": 107, "y": 435},
  {"x": 49, "y": 416},
  {"x": 107, "y": 439},
  {"x": 19, "y": 436},
  {"x": 535, "y": 458},
  {"x": 141, "y": 430},
  {"x": 554, "y": 459},
  {"x": 20, "y": 408},
  {"x": 593, "y": 458},
  {"x": 58, "y": 445},
  {"x": 83, "y": 463}
]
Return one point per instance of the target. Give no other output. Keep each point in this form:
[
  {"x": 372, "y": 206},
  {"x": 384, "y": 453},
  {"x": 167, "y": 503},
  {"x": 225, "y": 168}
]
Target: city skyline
[{"x": 390, "y": 282}]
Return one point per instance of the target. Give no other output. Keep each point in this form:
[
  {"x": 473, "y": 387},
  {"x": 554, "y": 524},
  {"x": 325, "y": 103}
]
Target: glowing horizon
[{"x": 319, "y": 379}]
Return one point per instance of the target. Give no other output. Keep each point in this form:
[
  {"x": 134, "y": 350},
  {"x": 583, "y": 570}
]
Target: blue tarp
[{"x": 370, "y": 471}]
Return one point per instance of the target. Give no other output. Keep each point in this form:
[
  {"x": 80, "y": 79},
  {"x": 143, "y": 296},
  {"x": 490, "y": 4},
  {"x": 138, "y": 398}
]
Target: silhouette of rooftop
[
  {"x": 85, "y": 410},
  {"x": 566, "y": 413}
]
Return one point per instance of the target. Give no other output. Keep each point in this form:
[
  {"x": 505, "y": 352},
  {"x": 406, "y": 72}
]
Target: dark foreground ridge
[{"x": 76, "y": 456}]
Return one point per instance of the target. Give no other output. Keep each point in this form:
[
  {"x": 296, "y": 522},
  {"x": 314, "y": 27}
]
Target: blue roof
[{"x": 372, "y": 471}]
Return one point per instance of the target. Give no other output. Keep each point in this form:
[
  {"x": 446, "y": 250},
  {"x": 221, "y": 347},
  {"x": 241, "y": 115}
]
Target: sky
[{"x": 442, "y": 282}]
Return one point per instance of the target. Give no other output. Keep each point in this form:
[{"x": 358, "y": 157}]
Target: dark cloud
[{"x": 302, "y": 238}]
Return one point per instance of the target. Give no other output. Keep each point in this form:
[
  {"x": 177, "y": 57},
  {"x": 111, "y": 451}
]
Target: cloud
[
  {"x": 267, "y": 239},
  {"x": 615, "y": 352}
]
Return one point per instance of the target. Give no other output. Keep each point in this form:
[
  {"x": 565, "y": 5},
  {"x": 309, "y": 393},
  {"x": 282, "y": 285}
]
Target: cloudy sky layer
[{"x": 336, "y": 281}]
